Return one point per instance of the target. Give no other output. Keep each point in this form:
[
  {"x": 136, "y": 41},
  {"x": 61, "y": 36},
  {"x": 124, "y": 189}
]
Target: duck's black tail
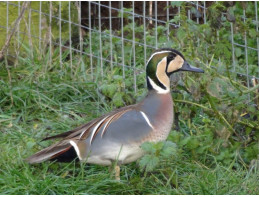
[{"x": 62, "y": 151}]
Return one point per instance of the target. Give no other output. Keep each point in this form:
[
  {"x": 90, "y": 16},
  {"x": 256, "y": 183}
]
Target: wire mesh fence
[{"x": 96, "y": 37}]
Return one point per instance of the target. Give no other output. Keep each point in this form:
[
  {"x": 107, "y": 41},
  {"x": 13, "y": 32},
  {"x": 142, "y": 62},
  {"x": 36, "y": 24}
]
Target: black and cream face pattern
[{"x": 160, "y": 65}]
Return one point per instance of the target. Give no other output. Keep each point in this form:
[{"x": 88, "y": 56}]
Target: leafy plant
[{"x": 156, "y": 153}]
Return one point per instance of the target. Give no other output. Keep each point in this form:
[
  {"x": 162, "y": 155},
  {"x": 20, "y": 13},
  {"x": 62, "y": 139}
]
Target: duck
[{"x": 116, "y": 137}]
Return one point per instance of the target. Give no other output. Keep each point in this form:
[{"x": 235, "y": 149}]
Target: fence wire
[{"x": 91, "y": 32}]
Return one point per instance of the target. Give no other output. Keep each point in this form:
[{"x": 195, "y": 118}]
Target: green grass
[
  {"x": 36, "y": 102},
  {"x": 178, "y": 177}
]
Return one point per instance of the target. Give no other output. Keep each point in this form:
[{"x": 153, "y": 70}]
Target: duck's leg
[{"x": 117, "y": 172}]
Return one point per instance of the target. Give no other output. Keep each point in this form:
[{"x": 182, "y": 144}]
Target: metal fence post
[
  {"x": 122, "y": 44},
  {"x": 100, "y": 37},
  {"x": 110, "y": 26}
]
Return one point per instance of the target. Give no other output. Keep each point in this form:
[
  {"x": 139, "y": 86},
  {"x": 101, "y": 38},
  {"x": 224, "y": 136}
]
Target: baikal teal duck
[{"x": 118, "y": 135}]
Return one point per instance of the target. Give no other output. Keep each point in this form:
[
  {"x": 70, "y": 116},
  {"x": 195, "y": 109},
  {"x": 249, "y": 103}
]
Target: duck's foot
[{"x": 117, "y": 172}]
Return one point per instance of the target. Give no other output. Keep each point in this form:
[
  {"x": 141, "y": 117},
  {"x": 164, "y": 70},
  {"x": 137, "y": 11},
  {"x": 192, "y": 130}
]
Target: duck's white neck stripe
[
  {"x": 157, "y": 88},
  {"x": 146, "y": 118}
]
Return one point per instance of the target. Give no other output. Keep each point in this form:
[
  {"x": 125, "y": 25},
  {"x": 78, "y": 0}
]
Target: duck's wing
[{"x": 83, "y": 132}]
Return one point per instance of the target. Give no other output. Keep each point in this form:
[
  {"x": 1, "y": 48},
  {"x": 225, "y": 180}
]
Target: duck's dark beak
[{"x": 188, "y": 67}]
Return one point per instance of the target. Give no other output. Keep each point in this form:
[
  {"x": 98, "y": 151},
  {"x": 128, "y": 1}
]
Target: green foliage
[
  {"x": 176, "y": 3},
  {"x": 156, "y": 153}
]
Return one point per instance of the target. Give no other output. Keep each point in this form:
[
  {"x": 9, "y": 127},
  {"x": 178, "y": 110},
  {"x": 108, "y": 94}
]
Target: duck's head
[{"x": 161, "y": 65}]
